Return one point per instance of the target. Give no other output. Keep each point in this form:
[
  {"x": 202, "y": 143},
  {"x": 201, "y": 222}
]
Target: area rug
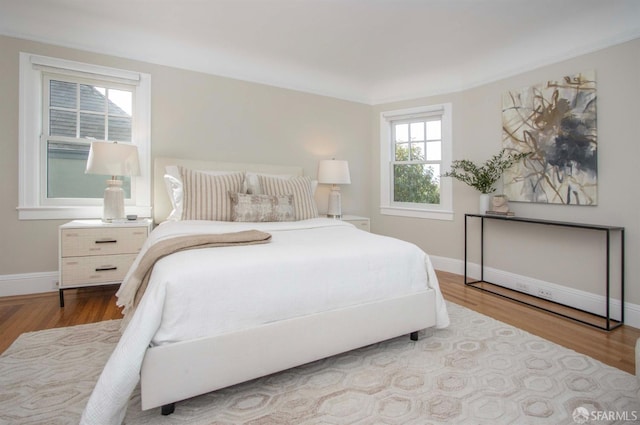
[{"x": 477, "y": 371}]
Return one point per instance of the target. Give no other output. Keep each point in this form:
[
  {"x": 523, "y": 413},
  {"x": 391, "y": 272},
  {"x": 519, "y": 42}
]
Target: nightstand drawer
[
  {"x": 96, "y": 269},
  {"x": 102, "y": 241},
  {"x": 360, "y": 224}
]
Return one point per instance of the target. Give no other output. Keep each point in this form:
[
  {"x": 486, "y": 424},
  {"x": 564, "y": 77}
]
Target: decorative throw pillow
[
  {"x": 206, "y": 196},
  {"x": 259, "y": 208},
  {"x": 304, "y": 205}
]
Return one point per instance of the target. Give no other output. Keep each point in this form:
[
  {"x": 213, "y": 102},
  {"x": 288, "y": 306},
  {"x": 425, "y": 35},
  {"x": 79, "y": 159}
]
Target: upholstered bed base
[{"x": 178, "y": 371}]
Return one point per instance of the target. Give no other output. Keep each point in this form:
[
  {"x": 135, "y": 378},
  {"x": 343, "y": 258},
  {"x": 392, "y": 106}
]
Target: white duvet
[{"x": 309, "y": 266}]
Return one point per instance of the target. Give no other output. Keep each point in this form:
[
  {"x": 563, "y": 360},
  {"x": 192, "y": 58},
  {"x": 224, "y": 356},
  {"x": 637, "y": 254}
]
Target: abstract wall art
[{"x": 556, "y": 121}]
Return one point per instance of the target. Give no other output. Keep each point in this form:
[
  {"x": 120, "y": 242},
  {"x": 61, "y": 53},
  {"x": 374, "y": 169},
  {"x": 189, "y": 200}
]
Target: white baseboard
[
  {"x": 559, "y": 293},
  {"x": 28, "y": 283}
]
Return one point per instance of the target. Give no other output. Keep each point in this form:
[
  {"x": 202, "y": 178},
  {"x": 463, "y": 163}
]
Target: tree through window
[{"x": 416, "y": 165}]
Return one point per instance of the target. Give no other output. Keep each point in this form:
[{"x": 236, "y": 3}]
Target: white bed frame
[{"x": 175, "y": 372}]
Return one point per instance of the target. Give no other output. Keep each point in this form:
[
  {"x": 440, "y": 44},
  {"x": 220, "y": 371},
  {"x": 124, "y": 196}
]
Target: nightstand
[
  {"x": 361, "y": 223},
  {"x": 92, "y": 252}
]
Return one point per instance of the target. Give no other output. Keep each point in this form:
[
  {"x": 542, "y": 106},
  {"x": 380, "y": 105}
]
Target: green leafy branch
[{"x": 484, "y": 177}]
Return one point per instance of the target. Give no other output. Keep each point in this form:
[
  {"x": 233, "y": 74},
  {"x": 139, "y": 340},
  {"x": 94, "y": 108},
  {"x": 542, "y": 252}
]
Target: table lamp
[
  {"x": 114, "y": 159},
  {"x": 333, "y": 172}
]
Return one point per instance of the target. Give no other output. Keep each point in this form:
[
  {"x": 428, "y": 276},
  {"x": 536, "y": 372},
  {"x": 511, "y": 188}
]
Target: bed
[{"x": 220, "y": 315}]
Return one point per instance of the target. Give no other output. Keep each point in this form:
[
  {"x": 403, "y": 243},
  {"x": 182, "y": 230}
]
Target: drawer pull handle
[
  {"x": 106, "y": 268},
  {"x": 107, "y": 241}
]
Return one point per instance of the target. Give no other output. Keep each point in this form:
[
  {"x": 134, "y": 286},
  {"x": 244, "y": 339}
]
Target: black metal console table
[{"x": 523, "y": 297}]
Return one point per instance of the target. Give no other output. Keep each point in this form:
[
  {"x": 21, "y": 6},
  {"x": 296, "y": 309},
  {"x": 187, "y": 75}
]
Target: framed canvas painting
[{"x": 555, "y": 120}]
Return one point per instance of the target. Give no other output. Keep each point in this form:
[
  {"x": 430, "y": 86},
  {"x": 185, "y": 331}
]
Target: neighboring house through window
[
  {"x": 64, "y": 106},
  {"x": 415, "y": 147}
]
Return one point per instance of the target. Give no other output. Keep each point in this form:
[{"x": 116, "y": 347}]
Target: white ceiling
[{"x": 370, "y": 51}]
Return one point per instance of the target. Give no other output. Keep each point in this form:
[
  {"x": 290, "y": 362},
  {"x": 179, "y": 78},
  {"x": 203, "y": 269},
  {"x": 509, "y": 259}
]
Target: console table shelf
[{"x": 605, "y": 322}]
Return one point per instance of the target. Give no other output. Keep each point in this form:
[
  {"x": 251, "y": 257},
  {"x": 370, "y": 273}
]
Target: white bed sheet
[
  {"x": 236, "y": 288},
  {"x": 206, "y": 292}
]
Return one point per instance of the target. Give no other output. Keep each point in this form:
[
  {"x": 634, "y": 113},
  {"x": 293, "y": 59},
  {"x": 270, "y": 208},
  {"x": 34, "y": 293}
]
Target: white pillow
[{"x": 175, "y": 190}]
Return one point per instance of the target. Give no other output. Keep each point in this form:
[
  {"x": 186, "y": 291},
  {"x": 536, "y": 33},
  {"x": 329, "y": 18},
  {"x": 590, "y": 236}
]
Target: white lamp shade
[
  {"x": 331, "y": 171},
  {"x": 113, "y": 159}
]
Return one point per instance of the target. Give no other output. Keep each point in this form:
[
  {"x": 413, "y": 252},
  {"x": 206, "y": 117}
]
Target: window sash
[
  {"x": 424, "y": 162},
  {"x": 388, "y": 206},
  {"x": 107, "y": 115},
  {"x": 96, "y": 181},
  {"x": 78, "y": 109}
]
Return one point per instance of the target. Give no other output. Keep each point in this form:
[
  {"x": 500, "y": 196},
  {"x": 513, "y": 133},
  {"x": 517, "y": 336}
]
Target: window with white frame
[
  {"x": 64, "y": 106},
  {"x": 415, "y": 149}
]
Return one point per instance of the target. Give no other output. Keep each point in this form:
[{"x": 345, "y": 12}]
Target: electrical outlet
[
  {"x": 545, "y": 293},
  {"x": 522, "y": 287}
]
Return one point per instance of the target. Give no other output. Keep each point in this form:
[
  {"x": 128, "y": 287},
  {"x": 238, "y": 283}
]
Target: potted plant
[{"x": 484, "y": 177}]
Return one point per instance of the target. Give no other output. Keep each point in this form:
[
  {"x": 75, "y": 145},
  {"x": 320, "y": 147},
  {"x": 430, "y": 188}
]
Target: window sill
[
  {"x": 72, "y": 213},
  {"x": 417, "y": 213}
]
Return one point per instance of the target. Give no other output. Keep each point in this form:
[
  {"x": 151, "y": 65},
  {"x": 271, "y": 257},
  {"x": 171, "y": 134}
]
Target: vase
[{"x": 485, "y": 200}]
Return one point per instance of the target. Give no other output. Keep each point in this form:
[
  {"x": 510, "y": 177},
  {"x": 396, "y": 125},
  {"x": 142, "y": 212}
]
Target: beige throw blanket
[{"x": 135, "y": 285}]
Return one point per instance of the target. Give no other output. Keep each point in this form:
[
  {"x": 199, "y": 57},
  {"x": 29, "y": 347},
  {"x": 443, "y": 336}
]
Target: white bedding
[{"x": 309, "y": 266}]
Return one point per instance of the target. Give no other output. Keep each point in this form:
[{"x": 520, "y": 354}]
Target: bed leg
[
  {"x": 168, "y": 409},
  {"x": 414, "y": 336}
]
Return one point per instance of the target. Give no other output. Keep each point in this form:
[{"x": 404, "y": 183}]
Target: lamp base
[
  {"x": 335, "y": 203},
  {"x": 113, "y": 201}
]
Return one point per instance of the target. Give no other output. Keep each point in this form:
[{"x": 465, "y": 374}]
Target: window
[
  {"x": 76, "y": 112},
  {"x": 64, "y": 106},
  {"x": 415, "y": 149}
]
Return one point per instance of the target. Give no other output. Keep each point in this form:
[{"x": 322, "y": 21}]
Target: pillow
[
  {"x": 206, "y": 196},
  {"x": 252, "y": 182},
  {"x": 173, "y": 183},
  {"x": 174, "y": 190},
  {"x": 304, "y": 205},
  {"x": 259, "y": 208}
]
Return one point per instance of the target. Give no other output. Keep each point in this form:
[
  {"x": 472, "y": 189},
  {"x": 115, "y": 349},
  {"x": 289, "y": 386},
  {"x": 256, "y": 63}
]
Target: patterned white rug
[{"x": 478, "y": 371}]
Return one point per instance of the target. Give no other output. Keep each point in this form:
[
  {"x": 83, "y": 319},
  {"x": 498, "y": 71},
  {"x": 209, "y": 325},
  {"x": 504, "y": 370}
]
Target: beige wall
[
  {"x": 193, "y": 116},
  {"x": 202, "y": 116},
  {"x": 569, "y": 257}
]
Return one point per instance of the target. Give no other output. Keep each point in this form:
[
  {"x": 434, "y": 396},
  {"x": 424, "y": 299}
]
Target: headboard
[{"x": 161, "y": 202}]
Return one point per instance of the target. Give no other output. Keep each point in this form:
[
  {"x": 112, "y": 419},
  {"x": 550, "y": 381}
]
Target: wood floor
[
  {"x": 617, "y": 348},
  {"x": 36, "y": 312}
]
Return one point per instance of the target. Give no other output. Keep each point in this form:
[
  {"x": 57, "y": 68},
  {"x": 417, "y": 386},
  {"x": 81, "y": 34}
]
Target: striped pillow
[
  {"x": 304, "y": 205},
  {"x": 206, "y": 196}
]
